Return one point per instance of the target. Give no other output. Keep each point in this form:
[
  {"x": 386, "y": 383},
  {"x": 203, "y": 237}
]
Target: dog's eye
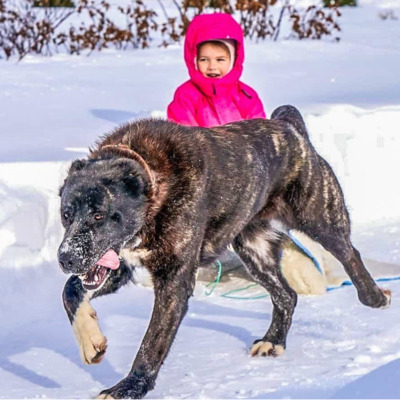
[
  {"x": 66, "y": 215},
  {"x": 98, "y": 216}
]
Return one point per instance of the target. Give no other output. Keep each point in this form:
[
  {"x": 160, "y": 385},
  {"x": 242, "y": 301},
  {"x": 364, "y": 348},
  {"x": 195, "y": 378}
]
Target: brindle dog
[{"x": 171, "y": 198}]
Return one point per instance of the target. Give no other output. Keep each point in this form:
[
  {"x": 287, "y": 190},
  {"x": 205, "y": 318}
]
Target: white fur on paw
[
  {"x": 93, "y": 348},
  {"x": 388, "y": 295},
  {"x": 266, "y": 349},
  {"x": 92, "y": 343}
]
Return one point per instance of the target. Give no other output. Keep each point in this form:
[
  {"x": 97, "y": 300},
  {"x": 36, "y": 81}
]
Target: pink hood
[
  {"x": 210, "y": 27},
  {"x": 203, "y": 101}
]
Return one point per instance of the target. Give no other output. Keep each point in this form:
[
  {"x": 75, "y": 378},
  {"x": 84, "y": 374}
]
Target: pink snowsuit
[{"x": 203, "y": 101}]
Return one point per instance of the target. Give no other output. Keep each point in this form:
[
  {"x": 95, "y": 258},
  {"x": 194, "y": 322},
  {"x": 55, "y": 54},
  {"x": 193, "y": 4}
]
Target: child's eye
[{"x": 221, "y": 59}]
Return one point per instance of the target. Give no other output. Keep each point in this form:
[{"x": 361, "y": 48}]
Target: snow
[{"x": 53, "y": 109}]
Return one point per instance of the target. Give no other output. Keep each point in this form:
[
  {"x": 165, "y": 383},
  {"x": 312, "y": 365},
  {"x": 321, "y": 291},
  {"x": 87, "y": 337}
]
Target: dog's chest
[{"x": 135, "y": 260}]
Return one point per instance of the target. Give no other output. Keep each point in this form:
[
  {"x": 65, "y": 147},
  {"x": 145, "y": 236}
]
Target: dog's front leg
[
  {"x": 170, "y": 305},
  {"x": 92, "y": 343}
]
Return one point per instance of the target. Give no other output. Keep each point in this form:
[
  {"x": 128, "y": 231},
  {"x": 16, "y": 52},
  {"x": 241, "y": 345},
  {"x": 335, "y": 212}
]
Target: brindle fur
[{"x": 244, "y": 184}]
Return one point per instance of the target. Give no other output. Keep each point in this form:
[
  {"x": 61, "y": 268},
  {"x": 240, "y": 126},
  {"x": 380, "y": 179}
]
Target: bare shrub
[
  {"x": 314, "y": 22},
  {"x": 25, "y": 29},
  {"x": 28, "y": 29},
  {"x": 53, "y": 3},
  {"x": 340, "y": 3},
  {"x": 101, "y": 32},
  {"x": 255, "y": 18},
  {"x": 262, "y": 19}
]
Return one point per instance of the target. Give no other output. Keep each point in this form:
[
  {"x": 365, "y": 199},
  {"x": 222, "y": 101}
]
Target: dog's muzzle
[{"x": 94, "y": 276}]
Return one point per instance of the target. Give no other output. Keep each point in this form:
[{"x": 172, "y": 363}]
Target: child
[{"x": 214, "y": 56}]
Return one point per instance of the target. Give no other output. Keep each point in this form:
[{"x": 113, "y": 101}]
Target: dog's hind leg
[
  {"x": 258, "y": 245},
  {"x": 92, "y": 343},
  {"x": 338, "y": 243},
  {"x": 323, "y": 216}
]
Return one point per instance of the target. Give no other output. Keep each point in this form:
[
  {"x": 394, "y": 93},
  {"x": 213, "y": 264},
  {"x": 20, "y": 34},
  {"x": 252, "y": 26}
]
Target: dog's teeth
[{"x": 94, "y": 278}]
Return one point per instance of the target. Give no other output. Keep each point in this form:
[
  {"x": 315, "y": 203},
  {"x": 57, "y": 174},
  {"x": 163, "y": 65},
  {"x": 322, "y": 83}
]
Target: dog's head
[{"x": 103, "y": 206}]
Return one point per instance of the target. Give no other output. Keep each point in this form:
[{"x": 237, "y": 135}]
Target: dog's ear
[
  {"x": 134, "y": 185},
  {"x": 133, "y": 176},
  {"x": 77, "y": 165}
]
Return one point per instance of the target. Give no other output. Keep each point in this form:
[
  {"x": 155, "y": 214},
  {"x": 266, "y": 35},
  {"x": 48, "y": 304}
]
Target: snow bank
[
  {"x": 362, "y": 145},
  {"x": 30, "y": 229}
]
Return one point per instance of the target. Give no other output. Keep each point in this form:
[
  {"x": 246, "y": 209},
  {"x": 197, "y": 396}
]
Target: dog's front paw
[
  {"x": 134, "y": 386},
  {"x": 266, "y": 349},
  {"x": 92, "y": 343},
  {"x": 93, "y": 348}
]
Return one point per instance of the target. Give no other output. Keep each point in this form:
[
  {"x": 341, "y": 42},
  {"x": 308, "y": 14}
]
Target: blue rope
[
  {"x": 306, "y": 251},
  {"x": 349, "y": 283}
]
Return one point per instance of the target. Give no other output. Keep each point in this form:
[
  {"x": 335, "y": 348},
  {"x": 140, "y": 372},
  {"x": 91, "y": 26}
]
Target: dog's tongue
[{"x": 109, "y": 260}]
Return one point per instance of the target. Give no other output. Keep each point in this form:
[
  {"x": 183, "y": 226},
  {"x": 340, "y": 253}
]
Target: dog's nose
[{"x": 65, "y": 263}]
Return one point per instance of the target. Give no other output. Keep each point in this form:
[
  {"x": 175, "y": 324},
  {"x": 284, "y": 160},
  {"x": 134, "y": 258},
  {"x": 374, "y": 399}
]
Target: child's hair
[{"x": 216, "y": 43}]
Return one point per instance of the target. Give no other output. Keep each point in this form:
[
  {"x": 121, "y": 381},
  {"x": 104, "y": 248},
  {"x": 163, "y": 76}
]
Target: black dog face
[{"x": 103, "y": 206}]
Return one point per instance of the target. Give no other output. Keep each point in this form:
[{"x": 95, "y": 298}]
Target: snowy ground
[{"x": 51, "y": 110}]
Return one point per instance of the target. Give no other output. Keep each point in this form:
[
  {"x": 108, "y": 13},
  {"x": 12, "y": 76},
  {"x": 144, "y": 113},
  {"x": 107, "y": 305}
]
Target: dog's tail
[{"x": 291, "y": 115}]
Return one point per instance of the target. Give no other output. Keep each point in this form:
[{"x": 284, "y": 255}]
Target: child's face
[{"x": 213, "y": 61}]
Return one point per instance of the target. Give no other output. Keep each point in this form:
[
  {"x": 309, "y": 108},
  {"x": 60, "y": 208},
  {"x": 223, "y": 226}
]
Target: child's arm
[
  {"x": 182, "y": 109},
  {"x": 255, "y": 108}
]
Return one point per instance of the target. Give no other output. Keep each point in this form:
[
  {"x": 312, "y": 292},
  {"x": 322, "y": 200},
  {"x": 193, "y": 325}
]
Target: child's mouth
[{"x": 213, "y": 75}]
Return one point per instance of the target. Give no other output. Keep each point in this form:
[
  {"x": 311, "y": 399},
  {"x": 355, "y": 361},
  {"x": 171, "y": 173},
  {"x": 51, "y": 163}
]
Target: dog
[{"x": 171, "y": 198}]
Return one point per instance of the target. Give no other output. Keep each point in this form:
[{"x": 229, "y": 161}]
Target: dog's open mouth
[{"x": 97, "y": 275}]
